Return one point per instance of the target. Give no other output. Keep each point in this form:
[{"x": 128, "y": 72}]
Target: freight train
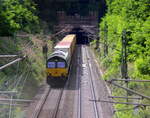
[{"x": 58, "y": 63}]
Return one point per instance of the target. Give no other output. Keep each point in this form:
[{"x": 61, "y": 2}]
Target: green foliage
[
  {"x": 133, "y": 16},
  {"x": 17, "y": 15},
  {"x": 143, "y": 65}
]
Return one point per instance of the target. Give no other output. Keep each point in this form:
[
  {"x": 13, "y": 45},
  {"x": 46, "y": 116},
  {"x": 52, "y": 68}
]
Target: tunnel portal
[{"x": 82, "y": 37}]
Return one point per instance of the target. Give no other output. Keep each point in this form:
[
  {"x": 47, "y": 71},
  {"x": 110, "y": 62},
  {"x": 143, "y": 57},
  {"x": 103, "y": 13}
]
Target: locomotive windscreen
[
  {"x": 61, "y": 64},
  {"x": 51, "y": 65}
]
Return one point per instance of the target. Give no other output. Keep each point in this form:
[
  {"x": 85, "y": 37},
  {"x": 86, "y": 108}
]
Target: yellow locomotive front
[{"x": 57, "y": 69}]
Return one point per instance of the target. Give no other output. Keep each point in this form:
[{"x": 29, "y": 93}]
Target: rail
[
  {"x": 40, "y": 104},
  {"x": 92, "y": 85}
]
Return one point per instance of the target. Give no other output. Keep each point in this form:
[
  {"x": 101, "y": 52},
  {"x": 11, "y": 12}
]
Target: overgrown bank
[
  {"x": 26, "y": 76},
  {"x": 133, "y": 17}
]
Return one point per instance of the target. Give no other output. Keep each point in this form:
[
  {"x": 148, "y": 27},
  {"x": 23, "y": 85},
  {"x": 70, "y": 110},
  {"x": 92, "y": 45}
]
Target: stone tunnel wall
[{"x": 91, "y": 19}]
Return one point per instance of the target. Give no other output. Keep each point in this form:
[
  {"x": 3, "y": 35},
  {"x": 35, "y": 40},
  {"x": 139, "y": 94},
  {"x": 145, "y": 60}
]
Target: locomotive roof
[{"x": 59, "y": 53}]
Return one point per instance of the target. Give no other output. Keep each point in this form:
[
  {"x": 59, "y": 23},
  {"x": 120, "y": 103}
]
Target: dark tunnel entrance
[{"x": 81, "y": 35}]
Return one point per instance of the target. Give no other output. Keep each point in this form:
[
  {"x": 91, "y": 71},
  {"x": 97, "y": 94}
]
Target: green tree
[{"x": 17, "y": 15}]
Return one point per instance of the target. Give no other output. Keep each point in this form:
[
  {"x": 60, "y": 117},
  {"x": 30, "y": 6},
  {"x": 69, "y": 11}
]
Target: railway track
[
  {"x": 57, "y": 104},
  {"x": 41, "y": 103},
  {"x": 78, "y": 97},
  {"x": 85, "y": 83},
  {"x": 43, "y": 110},
  {"x": 91, "y": 79},
  {"x": 91, "y": 88},
  {"x": 85, "y": 86},
  {"x": 48, "y": 106},
  {"x": 79, "y": 109}
]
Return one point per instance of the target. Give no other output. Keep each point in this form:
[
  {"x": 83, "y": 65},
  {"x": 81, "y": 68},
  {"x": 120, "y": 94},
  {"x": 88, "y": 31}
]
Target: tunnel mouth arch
[{"x": 82, "y": 36}]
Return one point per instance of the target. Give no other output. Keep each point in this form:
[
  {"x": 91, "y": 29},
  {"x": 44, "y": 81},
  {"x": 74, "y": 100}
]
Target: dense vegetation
[
  {"x": 17, "y": 15},
  {"x": 133, "y": 16},
  {"x": 25, "y": 76}
]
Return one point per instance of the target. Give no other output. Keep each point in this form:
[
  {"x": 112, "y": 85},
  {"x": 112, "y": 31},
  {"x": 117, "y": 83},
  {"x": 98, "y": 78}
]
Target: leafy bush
[{"x": 143, "y": 66}]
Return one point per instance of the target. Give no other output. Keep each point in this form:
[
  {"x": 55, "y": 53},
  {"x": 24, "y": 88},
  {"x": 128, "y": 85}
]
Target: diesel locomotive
[{"x": 58, "y": 63}]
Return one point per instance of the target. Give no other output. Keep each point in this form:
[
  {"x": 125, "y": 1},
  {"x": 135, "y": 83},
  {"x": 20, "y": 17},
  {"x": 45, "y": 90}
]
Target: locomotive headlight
[{"x": 49, "y": 74}]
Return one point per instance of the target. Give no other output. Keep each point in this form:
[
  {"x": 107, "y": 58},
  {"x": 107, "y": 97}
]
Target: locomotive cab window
[
  {"x": 61, "y": 65},
  {"x": 51, "y": 65}
]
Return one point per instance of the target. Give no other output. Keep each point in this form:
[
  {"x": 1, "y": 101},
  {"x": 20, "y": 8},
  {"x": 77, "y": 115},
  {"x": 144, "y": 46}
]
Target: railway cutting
[{"x": 77, "y": 98}]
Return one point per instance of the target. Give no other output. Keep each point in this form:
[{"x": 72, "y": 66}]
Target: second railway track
[
  {"x": 49, "y": 104},
  {"x": 95, "y": 107}
]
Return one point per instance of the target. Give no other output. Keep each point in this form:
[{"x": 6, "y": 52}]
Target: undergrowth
[{"x": 25, "y": 76}]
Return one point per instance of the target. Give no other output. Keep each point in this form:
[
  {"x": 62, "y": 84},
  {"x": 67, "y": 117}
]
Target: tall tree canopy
[
  {"x": 134, "y": 17},
  {"x": 17, "y": 15}
]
